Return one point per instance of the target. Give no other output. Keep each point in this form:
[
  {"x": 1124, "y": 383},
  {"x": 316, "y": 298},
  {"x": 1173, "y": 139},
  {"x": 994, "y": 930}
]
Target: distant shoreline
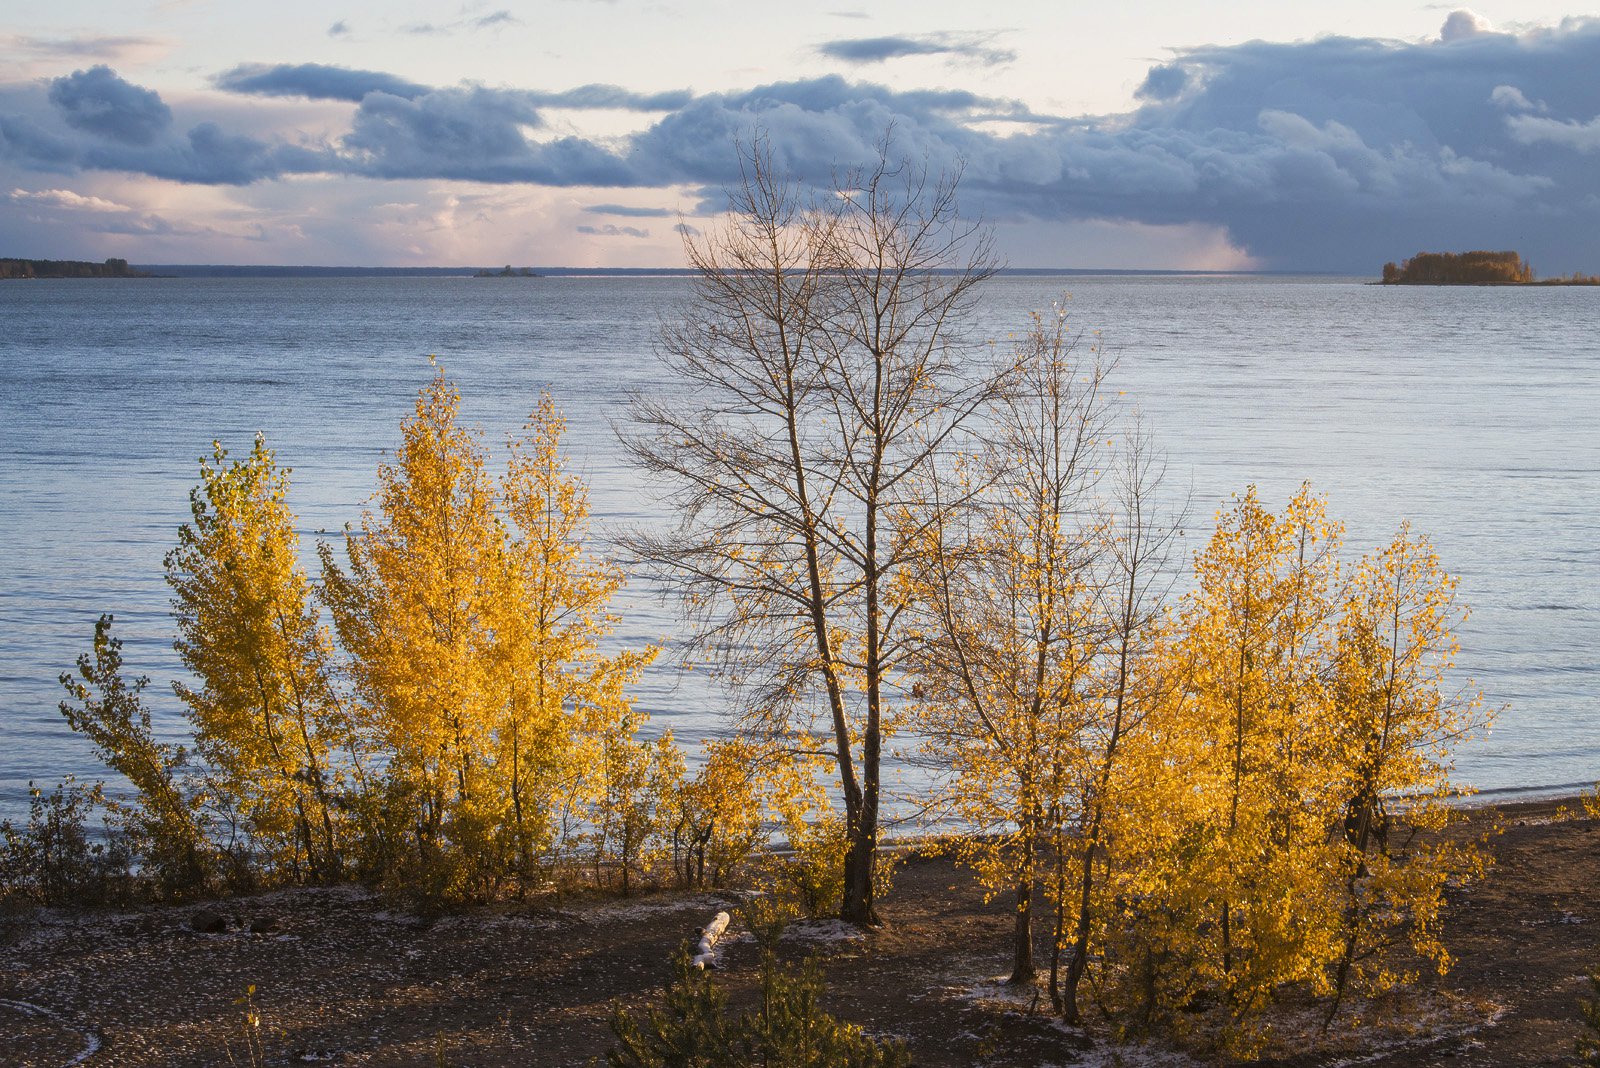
[
  {"x": 224, "y": 270},
  {"x": 20, "y": 270}
]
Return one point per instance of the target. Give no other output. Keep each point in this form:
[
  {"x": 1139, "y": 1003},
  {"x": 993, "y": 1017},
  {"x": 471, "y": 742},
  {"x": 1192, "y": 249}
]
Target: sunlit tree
[
  {"x": 1396, "y": 720},
  {"x": 163, "y": 819},
  {"x": 266, "y": 720},
  {"x": 472, "y": 614},
  {"x": 414, "y": 612},
  {"x": 1257, "y": 635},
  {"x": 565, "y": 713}
]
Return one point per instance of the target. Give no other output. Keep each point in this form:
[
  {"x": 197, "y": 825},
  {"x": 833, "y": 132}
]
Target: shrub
[
  {"x": 1588, "y": 1044},
  {"x": 787, "y": 1029},
  {"x": 51, "y": 860}
]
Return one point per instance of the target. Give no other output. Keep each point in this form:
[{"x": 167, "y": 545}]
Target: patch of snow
[
  {"x": 656, "y": 907},
  {"x": 91, "y": 1041}
]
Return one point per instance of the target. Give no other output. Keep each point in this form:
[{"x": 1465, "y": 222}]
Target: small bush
[
  {"x": 788, "y": 1029},
  {"x": 689, "y": 1030},
  {"x": 1588, "y": 1044},
  {"x": 51, "y": 860}
]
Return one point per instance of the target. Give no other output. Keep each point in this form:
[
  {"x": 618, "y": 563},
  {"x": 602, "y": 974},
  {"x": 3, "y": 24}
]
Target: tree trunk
[{"x": 1022, "y": 967}]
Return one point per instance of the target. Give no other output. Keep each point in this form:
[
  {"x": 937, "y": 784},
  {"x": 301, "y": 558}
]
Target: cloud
[
  {"x": 610, "y": 230},
  {"x": 1534, "y": 130},
  {"x": 65, "y": 198},
  {"x": 315, "y": 81},
  {"x": 627, "y": 211},
  {"x": 474, "y": 133},
  {"x": 339, "y": 29},
  {"x": 1163, "y": 82},
  {"x": 1338, "y": 153},
  {"x": 97, "y": 101},
  {"x": 974, "y": 47},
  {"x": 1462, "y": 24},
  {"x": 319, "y": 81},
  {"x": 495, "y": 20},
  {"x": 100, "y": 216},
  {"x": 80, "y": 48},
  {"x": 1510, "y": 98},
  {"x": 611, "y": 96}
]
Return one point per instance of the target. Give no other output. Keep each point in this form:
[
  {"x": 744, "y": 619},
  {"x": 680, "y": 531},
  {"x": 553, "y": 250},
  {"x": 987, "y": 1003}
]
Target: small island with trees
[
  {"x": 1473, "y": 269},
  {"x": 111, "y": 268},
  {"x": 506, "y": 272}
]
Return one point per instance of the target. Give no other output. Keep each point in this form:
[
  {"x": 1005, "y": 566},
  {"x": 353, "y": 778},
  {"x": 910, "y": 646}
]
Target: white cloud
[
  {"x": 1462, "y": 24},
  {"x": 1510, "y": 98},
  {"x": 1533, "y": 129},
  {"x": 67, "y": 200}
]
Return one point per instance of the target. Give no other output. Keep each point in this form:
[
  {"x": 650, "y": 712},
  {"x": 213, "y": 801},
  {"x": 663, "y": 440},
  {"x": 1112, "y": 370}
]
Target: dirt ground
[{"x": 345, "y": 977}]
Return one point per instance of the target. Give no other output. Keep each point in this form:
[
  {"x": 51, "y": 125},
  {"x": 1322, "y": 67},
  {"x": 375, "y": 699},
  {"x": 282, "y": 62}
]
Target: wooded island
[{"x": 1473, "y": 269}]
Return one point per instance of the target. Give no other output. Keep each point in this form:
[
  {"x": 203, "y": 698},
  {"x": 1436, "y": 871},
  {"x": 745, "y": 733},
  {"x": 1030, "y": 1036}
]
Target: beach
[{"x": 344, "y": 976}]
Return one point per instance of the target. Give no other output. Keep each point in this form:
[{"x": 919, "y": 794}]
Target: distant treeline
[
  {"x": 1473, "y": 268},
  {"x": 112, "y": 268}
]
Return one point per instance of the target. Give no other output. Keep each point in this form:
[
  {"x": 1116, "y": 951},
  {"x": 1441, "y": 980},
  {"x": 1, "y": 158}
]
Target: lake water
[{"x": 1475, "y": 413}]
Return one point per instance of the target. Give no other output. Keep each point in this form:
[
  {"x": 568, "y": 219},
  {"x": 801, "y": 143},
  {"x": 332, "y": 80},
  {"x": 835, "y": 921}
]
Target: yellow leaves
[
  {"x": 264, "y": 715},
  {"x": 473, "y": 618}
]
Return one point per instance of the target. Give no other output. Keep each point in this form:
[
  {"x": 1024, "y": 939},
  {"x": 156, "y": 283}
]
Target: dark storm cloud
[
  {"x": 880, "y": 49},
  {"x": 318, "y": 81},
  {"x": 627, "y": 211},
  {"x": 611, "y": 230},
  {"x": 1335, "y": 153},
  {"x": 315, "y": 81},
  {"x": 97, "y": 101},
  {"x": 475, "y": 134}
]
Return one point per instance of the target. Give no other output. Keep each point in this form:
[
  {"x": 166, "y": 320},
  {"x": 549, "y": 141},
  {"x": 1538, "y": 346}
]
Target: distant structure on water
[{"x": 1473, "y": 269}]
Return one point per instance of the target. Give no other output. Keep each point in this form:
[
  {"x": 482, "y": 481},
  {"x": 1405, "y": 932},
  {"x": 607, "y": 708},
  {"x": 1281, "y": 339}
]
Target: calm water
[{"x": 1475, "y": 413}]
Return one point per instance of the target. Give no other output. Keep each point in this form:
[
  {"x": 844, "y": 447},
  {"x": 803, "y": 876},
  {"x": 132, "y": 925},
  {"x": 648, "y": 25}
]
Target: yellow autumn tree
[
  {"x": 1255, "y": 639},
  {"x": 266, "y": 721},
  {"x": 1305, "y": 716},
  {"x": 415, "y": 614},
  {"x": 565, "y": 733},
  {"x": 721, "y": 810},
  {"x": 1395, "y": 721},
  {"x": 1013, "y": 631},
  {"x": 1038, "y": 601},
  {"x": 472, "y": 617}
]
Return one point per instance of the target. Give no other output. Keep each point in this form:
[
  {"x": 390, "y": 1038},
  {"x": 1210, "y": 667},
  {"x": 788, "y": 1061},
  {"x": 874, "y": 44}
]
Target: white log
[{"x": 705, "y": 954}]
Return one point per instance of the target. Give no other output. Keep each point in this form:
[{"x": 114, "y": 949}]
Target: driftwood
[{"x": 705, "y": 954}]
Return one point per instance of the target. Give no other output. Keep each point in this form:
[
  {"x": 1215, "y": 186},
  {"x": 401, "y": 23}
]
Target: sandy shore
[{"x": 344, "y": 977}]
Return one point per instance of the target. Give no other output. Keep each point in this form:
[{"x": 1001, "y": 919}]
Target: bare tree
[{"x": 825, "y": 371}]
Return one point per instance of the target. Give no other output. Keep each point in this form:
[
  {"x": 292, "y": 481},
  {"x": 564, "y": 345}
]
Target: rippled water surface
[{"x": 1475, "y": 413}]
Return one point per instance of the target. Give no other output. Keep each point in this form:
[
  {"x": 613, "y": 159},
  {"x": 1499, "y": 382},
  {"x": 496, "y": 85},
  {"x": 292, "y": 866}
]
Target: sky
[{"x": 1124, "y": 134}]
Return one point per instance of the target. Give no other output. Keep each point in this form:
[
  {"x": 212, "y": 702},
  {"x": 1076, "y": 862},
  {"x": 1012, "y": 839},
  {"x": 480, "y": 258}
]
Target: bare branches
[{"x": 826, "y": 375}]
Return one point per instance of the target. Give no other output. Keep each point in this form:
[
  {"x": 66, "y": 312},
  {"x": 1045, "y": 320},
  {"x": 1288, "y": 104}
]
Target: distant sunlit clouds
[{"x": 1141, "y": 134}]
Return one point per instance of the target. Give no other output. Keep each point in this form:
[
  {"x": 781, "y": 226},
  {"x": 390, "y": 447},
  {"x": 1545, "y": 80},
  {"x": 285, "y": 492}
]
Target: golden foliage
[
  {"x": 265, "y": 718},
  {"x": 472, "y": 618}
]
